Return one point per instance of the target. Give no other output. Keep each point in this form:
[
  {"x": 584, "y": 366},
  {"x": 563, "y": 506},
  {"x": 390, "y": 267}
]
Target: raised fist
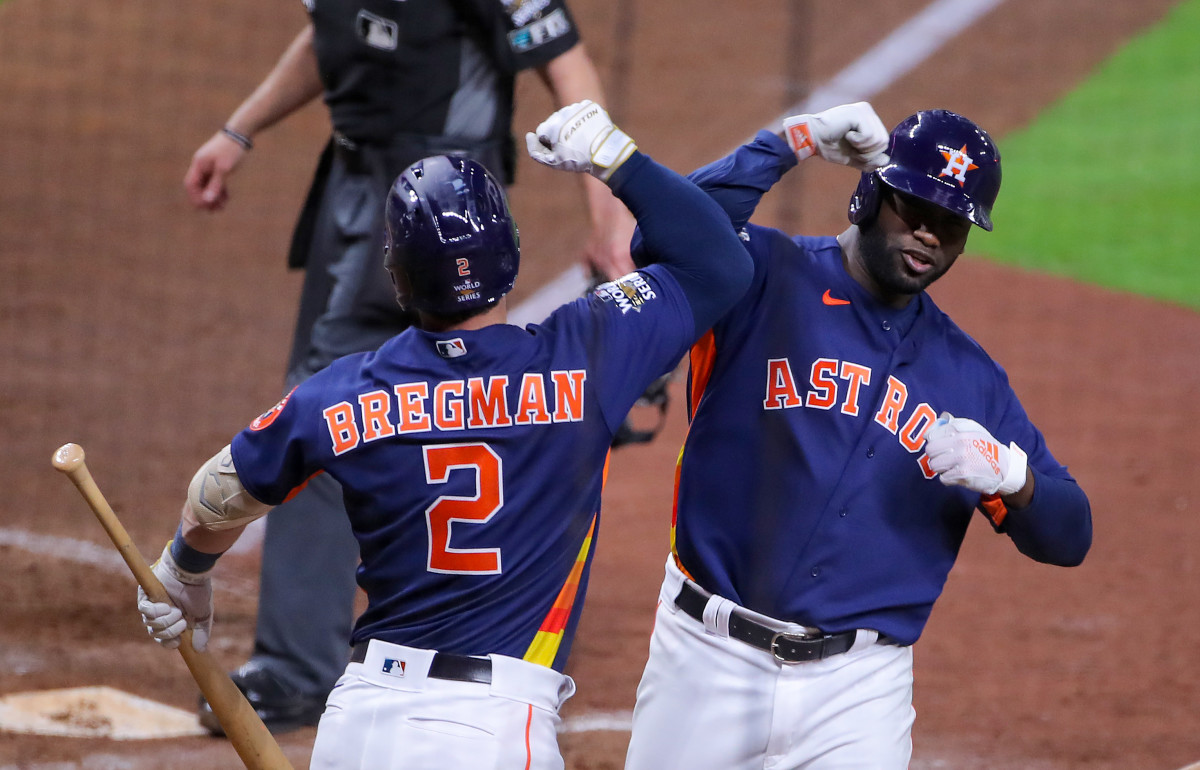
[
  {"x": 963, "y": 453},
  {"x": 850, "y": 134},
  {"x": 580, "y": 137}
]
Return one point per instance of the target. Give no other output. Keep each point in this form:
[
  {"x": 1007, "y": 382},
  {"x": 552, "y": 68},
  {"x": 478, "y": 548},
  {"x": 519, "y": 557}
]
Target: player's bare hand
[
  {"x": 965, "y": 454},
  {"x": 191, "y": 605},
  {"x": 580, "y": 137},
  {"x": 206, "y": 178},
  {"x": 849, "y": 134}
]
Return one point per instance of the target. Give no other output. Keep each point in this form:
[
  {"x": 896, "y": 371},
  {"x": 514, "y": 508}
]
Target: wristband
[
  {"x": 246, "y": 142},
  {"x": 799, "y": 136},
  {"x": 189, "y": 559}
]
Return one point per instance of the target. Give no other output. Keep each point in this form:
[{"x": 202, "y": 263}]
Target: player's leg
[
  {"x": 377, "y": 719},
  {"x": 848, "y": 711},
  {"x": 703, "y": 701}
]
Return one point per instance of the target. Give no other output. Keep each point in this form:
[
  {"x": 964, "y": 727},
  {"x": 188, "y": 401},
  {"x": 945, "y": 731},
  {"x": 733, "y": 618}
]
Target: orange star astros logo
[{"x": 958, "y": 163}]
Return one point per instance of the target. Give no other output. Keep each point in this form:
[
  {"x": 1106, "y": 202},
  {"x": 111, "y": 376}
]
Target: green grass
[{"x": 1105, "y": 186}]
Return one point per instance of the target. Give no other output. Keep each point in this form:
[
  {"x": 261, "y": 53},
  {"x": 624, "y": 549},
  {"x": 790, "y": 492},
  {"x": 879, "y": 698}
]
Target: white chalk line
[
  {"x": 599, "y": 721},
  {"x": 103, "y": 557}
]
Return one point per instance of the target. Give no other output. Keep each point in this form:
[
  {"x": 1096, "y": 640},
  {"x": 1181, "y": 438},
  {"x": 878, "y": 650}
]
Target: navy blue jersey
[
  {"x": 803, "y": 489},
  {"x": 472, "y": 463}
]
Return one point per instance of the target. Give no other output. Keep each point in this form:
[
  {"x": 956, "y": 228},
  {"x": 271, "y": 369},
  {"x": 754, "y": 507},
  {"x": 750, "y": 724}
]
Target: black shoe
[{"x": 280, "y": 707}]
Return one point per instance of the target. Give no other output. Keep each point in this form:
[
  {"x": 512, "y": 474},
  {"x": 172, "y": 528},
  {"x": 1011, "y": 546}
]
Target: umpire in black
[{"x": 402, "y": 81}]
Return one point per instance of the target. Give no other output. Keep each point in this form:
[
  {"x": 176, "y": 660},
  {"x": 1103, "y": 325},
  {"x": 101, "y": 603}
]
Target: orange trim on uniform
[
  {"x": 702, "y": 358},
  {"x": 675, "y": 512},
  {"x": 546, "y": 641},
  {"x": 301, "y": 486},
  {"x": 528, "y": 750},
  {"x": 994, "y": 508}
]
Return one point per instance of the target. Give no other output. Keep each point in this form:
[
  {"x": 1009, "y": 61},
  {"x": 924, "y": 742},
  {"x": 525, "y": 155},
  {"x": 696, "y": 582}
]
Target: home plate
[{"x": 94, "y": 712}]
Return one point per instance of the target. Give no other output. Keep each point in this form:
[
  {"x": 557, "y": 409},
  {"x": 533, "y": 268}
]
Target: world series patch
[{"x": 629, "y": 292}]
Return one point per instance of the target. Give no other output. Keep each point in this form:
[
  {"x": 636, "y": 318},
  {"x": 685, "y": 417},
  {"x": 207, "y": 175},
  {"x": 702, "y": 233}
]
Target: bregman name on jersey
[
  {"x": 452, "y": 405},
  {"x": 825, "y": 393}
]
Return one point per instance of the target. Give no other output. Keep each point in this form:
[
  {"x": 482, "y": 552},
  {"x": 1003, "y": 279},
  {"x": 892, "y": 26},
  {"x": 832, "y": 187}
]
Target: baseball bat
[{"x": 249, "y": 736}]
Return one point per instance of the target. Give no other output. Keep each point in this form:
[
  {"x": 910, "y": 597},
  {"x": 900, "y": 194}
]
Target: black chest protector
[{"x": 393, "y": 68}]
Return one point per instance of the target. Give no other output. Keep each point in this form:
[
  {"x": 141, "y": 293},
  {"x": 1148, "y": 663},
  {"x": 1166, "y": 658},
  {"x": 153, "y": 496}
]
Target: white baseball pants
[
  {"x": 387, "y": 714},
  {"x": 709, "y": 701}
]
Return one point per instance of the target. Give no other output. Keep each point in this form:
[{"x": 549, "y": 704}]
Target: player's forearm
[
  {"x": 294, "y": 82},
  {"x": 1056, "y": 526},
  {"x": 738, "y": 181},
  {"x": 205, "y": 539}
]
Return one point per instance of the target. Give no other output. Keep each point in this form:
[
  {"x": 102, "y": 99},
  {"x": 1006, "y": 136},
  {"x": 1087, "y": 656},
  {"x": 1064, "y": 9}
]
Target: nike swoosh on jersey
[{"x": 828, "y": 300}]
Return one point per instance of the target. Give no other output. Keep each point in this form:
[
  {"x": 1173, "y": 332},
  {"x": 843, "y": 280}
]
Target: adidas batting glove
[{"x": 963, "y": 453}]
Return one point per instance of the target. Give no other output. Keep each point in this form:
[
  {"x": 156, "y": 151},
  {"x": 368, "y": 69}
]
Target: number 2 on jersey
[{"x": 489, "y": 497}]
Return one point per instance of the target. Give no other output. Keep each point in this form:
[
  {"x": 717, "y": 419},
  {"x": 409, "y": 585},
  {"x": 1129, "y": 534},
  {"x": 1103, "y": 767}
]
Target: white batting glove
[
  {"x": 191, "y": 604},
  {"x": 965, "y": 454},
  {"x": 850, "y": 134},
  {"x": 580, "y": 137}
]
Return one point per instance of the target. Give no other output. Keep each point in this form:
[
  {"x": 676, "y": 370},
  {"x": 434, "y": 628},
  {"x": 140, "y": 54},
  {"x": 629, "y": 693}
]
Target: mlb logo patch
[
  {"x": 393, "y": 667},
  {"x": 451, "y": 348},
  {"x": 377, "y": 31}
]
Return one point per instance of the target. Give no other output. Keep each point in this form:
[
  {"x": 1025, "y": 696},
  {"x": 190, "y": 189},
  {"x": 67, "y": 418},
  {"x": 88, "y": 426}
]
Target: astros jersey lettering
[
  {"x": 468, "y": 455},
  {"x": 803, "y": 491}
]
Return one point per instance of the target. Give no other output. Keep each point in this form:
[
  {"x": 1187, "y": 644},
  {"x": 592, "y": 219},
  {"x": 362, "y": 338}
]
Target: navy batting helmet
[
  {"x": 452, "y": 246},
  {"x": 941, "y": 157}
]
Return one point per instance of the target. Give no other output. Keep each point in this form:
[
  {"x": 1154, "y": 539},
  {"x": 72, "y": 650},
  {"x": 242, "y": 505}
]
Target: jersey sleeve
[
  {"x": 522, "y": 35},
  {"x": 273, "y": 454},
  {"x": 1056, "y": 526},
  {"x": 738, "y": 181},
  {"x": 635, "y": 329}
]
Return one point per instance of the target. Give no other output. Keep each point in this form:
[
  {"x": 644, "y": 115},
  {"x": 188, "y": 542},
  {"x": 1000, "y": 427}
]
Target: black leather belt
[
  {"x": 445, "y": 665},
  {"x": 787, "y": 648}
]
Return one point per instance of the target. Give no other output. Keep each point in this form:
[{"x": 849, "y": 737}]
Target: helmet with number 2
[
  {"x": 941, "y": 157},
  {"x": 452, "y": 246}
]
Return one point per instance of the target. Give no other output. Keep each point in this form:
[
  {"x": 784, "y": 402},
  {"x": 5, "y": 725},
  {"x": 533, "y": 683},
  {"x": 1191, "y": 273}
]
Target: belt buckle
[{"x": 791, "y": 638}]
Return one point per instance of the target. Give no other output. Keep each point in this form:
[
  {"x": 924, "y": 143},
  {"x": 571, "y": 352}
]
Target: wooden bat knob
[{"x": 68, "y": 458}]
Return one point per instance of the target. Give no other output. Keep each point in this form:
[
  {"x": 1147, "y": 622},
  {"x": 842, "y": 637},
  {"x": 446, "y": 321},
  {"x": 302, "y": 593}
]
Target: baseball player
[
  {"x": 401, "y": 81},
  {"x": 472, "y": 453},
  {"x": 843, "y": 431}
]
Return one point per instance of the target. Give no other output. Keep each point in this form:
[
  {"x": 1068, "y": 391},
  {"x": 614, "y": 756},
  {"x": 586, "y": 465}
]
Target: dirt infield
[{"x": 150, "y": 334}]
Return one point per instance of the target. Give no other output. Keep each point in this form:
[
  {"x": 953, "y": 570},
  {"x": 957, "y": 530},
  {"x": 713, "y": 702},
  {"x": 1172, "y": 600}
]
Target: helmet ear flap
[{"x": 864, "y": 203}]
